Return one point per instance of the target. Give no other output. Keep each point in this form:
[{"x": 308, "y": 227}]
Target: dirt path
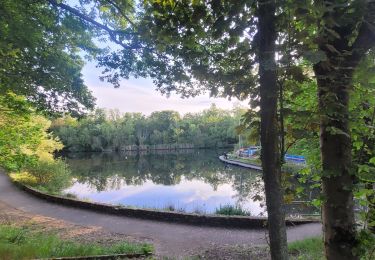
[{"x": 169, "y": 239}]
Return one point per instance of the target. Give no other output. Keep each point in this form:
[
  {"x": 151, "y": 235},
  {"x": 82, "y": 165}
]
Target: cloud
[{"x": 139, "y": 95}]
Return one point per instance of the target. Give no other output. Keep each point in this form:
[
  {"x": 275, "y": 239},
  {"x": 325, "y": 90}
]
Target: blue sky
[{"x": 139, "y": 95}]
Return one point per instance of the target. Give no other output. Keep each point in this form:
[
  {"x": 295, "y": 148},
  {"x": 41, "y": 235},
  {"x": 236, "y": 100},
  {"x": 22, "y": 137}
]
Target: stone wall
[{"x": 166, "y": 216}]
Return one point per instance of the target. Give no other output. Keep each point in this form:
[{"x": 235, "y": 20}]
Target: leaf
[
  {"x": 299, "y": 189},
  {"x": 317, "y": 203},
  {"x": 315, "y": 56}
]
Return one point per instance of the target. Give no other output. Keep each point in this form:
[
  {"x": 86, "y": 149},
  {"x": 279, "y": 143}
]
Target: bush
[{"x": 51, "y": 175}]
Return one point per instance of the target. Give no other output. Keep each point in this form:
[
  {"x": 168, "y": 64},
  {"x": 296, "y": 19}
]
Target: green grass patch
[
  {"x": 231, "y": 210},
  {"x": 23, "y": 243},
  {"x": 307, "y": 249}
]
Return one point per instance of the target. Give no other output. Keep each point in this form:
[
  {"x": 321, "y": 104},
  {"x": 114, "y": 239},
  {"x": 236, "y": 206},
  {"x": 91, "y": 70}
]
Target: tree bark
[
  {"x": 270, "y": 153},
  {"x": 337, "y": 178},
  {"x": 335, "y": 78}
]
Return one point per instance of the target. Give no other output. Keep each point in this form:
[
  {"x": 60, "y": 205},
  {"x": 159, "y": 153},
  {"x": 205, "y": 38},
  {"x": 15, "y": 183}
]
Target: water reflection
[{"x": 187, "y": 180}]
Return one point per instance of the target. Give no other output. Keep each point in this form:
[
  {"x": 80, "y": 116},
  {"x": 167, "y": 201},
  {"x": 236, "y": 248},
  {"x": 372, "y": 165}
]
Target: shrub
[{"x": 51, "y": 175}]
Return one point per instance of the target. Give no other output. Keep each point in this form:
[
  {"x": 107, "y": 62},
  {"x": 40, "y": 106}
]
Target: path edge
[{"x": 241, "y": 222}]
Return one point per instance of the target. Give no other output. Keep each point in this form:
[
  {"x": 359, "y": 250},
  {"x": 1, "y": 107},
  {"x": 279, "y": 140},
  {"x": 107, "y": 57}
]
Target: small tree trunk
[
  {"x": 270, "y": 153},
  {"x": 335, "y": 142},
  {"x": 282, "y": 126}
]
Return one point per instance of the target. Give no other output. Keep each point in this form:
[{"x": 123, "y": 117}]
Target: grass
[
  {"x": 231, "y": 210},
  {"x": 307, "y": 249},
  {"x": 23, "y": 243}
]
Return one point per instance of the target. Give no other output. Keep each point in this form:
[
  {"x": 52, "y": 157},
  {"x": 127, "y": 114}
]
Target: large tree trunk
[
  {"x": 270, "y": 153},
  {"x": 337, "y": 178},
  {"x": 335, "y": 77}
]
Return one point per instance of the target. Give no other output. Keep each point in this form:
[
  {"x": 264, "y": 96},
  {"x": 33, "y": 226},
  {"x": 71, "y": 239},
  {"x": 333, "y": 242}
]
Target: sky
[{"x": 139, "y": 95}]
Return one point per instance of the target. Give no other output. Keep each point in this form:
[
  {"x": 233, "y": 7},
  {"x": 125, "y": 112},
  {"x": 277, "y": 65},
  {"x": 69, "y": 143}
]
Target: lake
[{"x": 184, "y": 180}]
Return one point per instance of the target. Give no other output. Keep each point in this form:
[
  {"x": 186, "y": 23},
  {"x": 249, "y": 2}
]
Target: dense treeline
[{"x": 111, "y": 130}]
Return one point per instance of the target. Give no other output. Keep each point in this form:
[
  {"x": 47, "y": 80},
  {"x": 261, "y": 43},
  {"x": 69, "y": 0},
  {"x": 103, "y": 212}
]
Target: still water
[{"x": 186, "y": 180}]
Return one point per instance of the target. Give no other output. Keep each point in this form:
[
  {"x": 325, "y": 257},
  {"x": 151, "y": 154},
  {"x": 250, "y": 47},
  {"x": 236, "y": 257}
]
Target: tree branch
[
  {"x": 121, "y": 12},
  {"x": 112, "y": 33}
]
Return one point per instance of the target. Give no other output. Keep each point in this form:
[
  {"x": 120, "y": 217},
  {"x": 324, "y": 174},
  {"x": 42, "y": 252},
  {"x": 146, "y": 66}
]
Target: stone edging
[{"x": 165, "y": 216}]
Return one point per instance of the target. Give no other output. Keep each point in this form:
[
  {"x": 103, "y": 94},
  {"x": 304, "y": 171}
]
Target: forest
[
  {"x": 306, "y": 68},
  {"x": 109, "y": 130}
]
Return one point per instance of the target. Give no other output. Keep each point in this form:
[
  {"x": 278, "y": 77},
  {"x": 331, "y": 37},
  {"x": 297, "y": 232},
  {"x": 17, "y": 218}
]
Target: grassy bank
[{"x": 24, "y": 243}]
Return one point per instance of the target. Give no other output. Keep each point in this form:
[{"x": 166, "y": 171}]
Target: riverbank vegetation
[
  {"x": 109, "y": 130},
  {"x": 231, "y": 210},
  {"x": 26, "y": 146}
]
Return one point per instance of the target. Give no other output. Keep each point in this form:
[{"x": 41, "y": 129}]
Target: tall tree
[
  {"x": 346, "y": 33},
  {"x": 269, "y": 133}
]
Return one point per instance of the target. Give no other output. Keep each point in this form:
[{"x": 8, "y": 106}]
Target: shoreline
[{"x": 242, "y": 222}]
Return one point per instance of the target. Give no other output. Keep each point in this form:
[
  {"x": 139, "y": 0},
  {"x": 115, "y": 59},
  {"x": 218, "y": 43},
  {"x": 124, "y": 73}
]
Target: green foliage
[
  {"x": 23, "y": 243},
  {"x": 110, "y": 130},
  {"x": 231, "y": 210},
  {"x": 205, "y": 51},
  {"x": 27, "y": 148},
  {"x": 23, "y": 134},
  {"x": 51, "y": 176},
  {"x": 39, "y": 59},
  {"x": 366, "y": 246},
  {"x": 309, "y": 249}
]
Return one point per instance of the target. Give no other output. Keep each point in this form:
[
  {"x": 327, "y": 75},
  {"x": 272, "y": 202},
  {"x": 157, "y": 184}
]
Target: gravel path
[{"x": 169, "y": 239}]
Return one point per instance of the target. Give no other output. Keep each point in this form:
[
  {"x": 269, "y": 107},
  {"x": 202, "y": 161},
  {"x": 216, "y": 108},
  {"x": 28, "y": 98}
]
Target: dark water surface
[{"x": 186, "y": 180}]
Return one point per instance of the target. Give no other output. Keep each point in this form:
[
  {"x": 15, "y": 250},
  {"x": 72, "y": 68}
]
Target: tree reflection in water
[{"x": 105, "y": 173}]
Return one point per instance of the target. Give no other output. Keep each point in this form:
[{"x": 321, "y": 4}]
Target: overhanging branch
[
  {"x": 121, "y": 12},
  {"x": 112, "y": 33}
]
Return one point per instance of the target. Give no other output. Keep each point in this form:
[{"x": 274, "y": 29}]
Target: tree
[
  {"x": 269, "y": 135},
  {"x": 39, "y": 56},
  {"x": 23, "y": 134},
  {"x": 345, "y": 36}
]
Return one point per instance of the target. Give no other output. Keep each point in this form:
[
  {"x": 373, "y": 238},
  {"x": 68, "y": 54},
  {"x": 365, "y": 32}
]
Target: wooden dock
[{"x": 241, "y": 164}]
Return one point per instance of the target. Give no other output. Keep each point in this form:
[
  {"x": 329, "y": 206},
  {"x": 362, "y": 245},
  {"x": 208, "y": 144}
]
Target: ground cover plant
[{"x": 23, "y": 243}]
